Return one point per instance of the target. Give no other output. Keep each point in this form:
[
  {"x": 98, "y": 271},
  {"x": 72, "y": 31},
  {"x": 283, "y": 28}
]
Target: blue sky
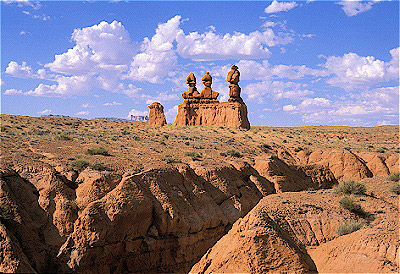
[{"x": 301, "y": 63}]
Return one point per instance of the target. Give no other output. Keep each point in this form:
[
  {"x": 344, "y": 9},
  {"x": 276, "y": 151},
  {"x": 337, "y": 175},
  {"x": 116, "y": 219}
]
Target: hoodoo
[
  {"x": 156, "y": 115},
  {"x": 204, "y": 109}
]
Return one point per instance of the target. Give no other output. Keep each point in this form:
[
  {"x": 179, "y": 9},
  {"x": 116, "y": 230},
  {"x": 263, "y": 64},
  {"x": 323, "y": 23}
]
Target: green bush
[
  {"x": 394, "y": 177},
  {"x": 348, "y": 227},
  {"x": 7, "y": 212},
  {"x": 63, "y": 137},
  {"x": 266, "y": 146},
  {"x": 380, "y": 150},
  {"x": 351, "y": 205},
  {"x": 233, "y": 153},
  {"x": 171, "y": 160},
  {"x": 97, "y": 151},
  {"x": 297, "y": 149},
  {"x": 395, "y": 188},
  {"x": 350, "y": 187},
  {"x": 80, "y": 164},
  {"x": 98, "y": 166},
  {"x": 194, "y": 155}
]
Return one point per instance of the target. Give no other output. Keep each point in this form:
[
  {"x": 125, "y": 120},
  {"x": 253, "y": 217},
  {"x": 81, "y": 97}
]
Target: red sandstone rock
[
  {"x": 296, "y": 233},
  {"x": 206, "y": 110},
  {"x": 212, "y": 114},
  {"x": 156, "y": 115}
]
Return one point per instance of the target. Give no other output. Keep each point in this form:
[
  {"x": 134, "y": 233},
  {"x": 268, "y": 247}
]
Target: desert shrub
[
  {"x": 395, "y": 188},
  {"x": 350, "y": 187},
  {"x": 136, "y": 138},
  {"x": 351, "y": 205},
  {"x": 73, "y": 204},
  {"x": 80, "y": 164},
  {"x": 170, "y": 160},
  {"x": 380, "y": 150},
  {"x": 348, "y": 227},
  {"x": 395, "y": 177},
  {"x": 266, "y": 146},
  {"x": 194, "y": 155},
  {"x": 97, "y": 151},
  {"x": 233, "y": 153},
  {"x": 348, "y": 148},
  {"x": 297, "y": 149},
  {"x": 6, "y": 212},
  {"x": 63, "y": 137},
  {"x": 3, "y": 128},
  {"x": 98, "y": 166}
]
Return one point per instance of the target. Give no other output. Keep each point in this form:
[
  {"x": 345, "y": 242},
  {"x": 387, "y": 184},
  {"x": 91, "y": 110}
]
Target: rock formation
[
  {"x": 156, "y": 115},
  {"x": 154, "y": 213},
  {"x": 233, "y": 78},
  {"x": 205, "y": 109},
  {"x": 192, "y": 92},
  {"x": 296, "y": 233}
]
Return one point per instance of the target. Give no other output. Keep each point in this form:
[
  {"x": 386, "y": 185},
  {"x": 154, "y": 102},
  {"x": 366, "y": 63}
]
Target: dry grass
[{"x": 134, "y": 145}]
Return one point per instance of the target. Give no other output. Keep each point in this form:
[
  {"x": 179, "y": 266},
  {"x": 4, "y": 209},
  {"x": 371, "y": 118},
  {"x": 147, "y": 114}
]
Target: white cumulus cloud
[
  {"x": 46, "y": 111},
  {"x": 24, "y": 3},
  {"x": 157, "y": 55},
  {"x": 112, "y": 104},
  {"x": 276, "y": 90},
  {"x": 21, "y": 71},
  {"x": 353, "y": 71},
  {"x": 82, "y": 113},
  {"x": 73, "y": 85},
  {"x": 276, "y": 6},
  {"x": 99, "y": 48},
  {"x": 354, "y": 7},
  {"x": 160, "y": 97},
  {"x": 12, "y": 91},
  {"x": 171, "y": 113},
  {"x": 369, "y": 108}
]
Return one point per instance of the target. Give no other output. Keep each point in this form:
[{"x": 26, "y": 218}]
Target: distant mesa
[
  {"x": 110, "y": 119},
  {"x": 156, "y": 115},
  {"x": 204, "y": 108},
  {"x": 139, "y": 118},
  {"x": 55, "y": 116}
]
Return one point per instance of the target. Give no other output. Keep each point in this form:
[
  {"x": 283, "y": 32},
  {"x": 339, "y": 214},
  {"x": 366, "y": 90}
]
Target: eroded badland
[{"x": 122, "y": 197}]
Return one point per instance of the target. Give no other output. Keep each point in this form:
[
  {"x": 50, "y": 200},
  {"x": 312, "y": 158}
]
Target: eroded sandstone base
[{"x": 229, "y": 114}]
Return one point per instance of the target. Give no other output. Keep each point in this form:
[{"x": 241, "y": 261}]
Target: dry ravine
[{"x": 253, "y": 207}]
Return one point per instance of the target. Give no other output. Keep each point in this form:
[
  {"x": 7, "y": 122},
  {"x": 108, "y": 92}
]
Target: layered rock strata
[
  {"x": 165, "y": 219},
  {"x": 296, "y": 233},
  {"x": 228, "y": 114},
  {"x": 204, "y": 109}
]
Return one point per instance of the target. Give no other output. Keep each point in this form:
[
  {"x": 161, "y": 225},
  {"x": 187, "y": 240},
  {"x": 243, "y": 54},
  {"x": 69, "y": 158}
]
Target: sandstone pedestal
[
  {"x": 204, "y": 109},
  {"x": 156, "y": 115},
  {"x": 229, "y": 114}
]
